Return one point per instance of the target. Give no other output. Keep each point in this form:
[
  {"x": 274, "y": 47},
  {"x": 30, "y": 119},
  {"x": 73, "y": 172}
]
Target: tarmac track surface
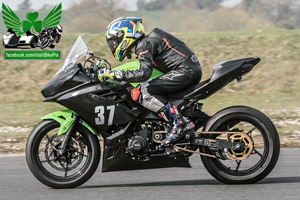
[{"x": 16, "y": 182}]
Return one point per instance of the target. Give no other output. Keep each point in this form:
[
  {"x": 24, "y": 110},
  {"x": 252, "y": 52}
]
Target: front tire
[
  {"x": 266, "y": 146},
  {"x": 71, "y": 170}
]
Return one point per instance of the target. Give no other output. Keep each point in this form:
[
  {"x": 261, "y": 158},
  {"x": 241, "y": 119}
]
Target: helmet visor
[{"x": 115, "y": 41}]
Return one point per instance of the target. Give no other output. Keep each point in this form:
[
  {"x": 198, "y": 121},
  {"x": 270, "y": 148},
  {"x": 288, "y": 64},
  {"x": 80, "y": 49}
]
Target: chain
[{"x": 191, "y": 151}]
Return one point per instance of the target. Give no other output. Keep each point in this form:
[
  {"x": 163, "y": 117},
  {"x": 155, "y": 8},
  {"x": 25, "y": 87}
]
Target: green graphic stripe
[{"x": 32, "y": 55}]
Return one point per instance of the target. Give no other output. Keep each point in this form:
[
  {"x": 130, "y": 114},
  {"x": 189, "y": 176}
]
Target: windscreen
[{"x": 78, "y": 50}]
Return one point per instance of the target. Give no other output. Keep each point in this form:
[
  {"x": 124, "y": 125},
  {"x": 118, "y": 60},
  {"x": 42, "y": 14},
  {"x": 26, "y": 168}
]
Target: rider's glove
[
  {"x": 116, "y": 74},
  {"x": 102, "y": 73}
]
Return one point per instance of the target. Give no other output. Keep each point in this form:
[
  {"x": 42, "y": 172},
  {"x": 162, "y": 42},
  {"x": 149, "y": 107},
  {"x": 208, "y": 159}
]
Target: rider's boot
[{"x": 180, "y": 124}]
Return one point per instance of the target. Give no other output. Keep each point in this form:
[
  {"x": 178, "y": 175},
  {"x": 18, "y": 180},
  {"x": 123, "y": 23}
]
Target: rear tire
[
  {"x": 268, "y": 155},
  {"x": 48, "y": 169}
]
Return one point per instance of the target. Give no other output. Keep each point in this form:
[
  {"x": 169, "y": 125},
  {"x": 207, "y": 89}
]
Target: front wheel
[
  {"x": 255, "y": 165},
  {"x": 74, "y": 167}
]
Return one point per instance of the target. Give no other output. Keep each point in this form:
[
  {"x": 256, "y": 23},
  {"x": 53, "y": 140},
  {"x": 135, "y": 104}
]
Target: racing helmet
[{"x": 122, "y": 34}]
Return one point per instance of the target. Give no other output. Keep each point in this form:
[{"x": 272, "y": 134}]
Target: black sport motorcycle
[{"x": 237, "y": 145}]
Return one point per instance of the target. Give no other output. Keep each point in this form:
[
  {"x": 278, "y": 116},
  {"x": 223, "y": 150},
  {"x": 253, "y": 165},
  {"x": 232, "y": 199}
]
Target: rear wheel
[
  {"x": 74, "y": 167},
  {"x": 265, "y": 140}
]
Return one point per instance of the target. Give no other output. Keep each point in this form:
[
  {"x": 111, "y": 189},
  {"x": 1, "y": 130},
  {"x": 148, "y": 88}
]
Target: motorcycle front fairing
[{"x": 65, "y": 81}]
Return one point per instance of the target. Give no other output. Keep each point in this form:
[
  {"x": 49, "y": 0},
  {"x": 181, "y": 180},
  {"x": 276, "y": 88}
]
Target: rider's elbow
[{"x": 147, "y": 75}]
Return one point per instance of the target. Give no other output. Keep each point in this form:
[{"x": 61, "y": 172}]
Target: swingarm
[{"x": 237, "y": 145}]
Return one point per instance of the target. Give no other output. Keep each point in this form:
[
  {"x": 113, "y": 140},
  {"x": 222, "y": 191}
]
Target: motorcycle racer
[{"x": 163, "y": 51}]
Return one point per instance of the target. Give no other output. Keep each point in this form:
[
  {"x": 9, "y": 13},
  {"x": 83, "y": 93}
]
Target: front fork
[{"x": 68, "y": 134}]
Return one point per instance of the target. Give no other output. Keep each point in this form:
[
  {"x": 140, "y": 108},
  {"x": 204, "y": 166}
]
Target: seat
[
  {"x": 223, "y": 73},
  {"x": 182, "y": 93}
]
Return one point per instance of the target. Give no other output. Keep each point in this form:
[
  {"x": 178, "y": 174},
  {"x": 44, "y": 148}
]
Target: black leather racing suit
[{"x": 170, "y": 55}]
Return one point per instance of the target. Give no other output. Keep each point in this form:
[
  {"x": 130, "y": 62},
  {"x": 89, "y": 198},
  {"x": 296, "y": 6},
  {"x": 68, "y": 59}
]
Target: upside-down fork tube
[{"x": 68, "y": 135}]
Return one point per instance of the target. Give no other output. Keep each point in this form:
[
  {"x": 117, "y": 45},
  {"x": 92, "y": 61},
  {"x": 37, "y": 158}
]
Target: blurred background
[{"x": 216, "y": 30}]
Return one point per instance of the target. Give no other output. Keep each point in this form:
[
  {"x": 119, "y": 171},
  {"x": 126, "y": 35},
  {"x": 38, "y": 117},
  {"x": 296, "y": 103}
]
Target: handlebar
[{"x": 96, "y": 64}]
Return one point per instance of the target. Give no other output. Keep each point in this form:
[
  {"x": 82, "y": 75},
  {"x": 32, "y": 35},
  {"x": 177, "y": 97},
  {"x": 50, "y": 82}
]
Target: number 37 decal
[{"x": 100, "y": 111}]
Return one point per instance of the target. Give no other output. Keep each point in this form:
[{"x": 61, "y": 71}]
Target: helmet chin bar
[{"x": 129, "y": 53}]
